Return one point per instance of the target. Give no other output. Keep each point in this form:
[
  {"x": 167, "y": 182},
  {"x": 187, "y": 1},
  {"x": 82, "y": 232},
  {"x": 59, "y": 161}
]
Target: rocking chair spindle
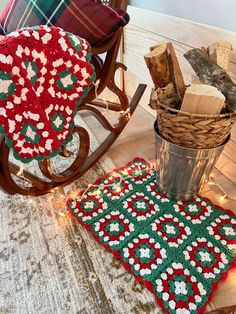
[{"x": 49, "y": 180}]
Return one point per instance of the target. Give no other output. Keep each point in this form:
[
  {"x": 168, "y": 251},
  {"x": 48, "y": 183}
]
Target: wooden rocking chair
[{"x": 11, "y": 173}]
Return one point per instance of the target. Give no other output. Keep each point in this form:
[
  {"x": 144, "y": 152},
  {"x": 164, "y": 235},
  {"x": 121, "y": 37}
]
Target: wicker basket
[{"x": 194, "y": 130}]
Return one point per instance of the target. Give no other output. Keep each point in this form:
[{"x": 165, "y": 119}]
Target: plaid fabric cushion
[{"x": 86, "y": 18}]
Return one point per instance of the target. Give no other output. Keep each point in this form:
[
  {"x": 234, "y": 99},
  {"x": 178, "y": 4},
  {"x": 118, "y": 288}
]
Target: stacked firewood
[{"x": 212, "y": 93}]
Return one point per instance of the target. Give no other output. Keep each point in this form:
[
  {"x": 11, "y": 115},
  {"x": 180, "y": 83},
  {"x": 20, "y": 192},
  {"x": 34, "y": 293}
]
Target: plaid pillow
[{"x": 86, "y": 18}]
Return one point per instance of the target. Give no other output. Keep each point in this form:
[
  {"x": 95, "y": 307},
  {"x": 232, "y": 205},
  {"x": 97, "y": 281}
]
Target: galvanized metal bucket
[{"x": 182, "y": 171}]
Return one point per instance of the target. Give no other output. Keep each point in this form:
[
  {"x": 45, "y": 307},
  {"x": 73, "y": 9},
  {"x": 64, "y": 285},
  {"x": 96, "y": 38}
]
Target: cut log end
[
  {"x": 220, "y": 54},
  {"x": 203, "y": 99}
]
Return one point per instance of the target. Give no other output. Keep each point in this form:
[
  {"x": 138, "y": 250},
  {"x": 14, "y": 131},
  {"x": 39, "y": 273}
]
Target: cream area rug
[{"x": 50, "y": 264}]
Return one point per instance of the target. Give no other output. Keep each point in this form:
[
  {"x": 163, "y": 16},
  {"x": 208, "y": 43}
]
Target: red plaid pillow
[{"x": 86, "y": 18}]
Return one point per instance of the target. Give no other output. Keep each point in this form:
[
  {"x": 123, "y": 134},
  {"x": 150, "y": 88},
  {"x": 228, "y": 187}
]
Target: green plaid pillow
[{"x": 86, "y": 18}]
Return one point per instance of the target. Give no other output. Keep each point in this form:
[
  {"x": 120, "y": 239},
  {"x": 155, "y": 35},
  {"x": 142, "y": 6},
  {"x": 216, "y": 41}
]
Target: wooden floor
[{"x": 137, "y": 140}]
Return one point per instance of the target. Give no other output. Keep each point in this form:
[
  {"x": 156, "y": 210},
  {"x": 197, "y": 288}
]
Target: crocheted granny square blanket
[
  {"x": 44, "y": 74},
  {"x": 179, "y": 250}
]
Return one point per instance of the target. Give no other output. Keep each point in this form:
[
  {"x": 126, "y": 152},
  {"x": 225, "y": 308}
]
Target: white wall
[{"x": 219, "y": 13}]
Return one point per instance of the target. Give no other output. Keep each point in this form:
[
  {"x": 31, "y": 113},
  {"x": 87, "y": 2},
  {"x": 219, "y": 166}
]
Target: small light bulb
[
  {"x": 62, "y": 214},
  {"x": 138, "y": 172},
  {"x": 223, "y": 197},
  {"x": 97, "y": 192},
  {"x": 118, "y": 189},
  {"x": 211, "y": 183},
  {"x": 20, "y": 172}
]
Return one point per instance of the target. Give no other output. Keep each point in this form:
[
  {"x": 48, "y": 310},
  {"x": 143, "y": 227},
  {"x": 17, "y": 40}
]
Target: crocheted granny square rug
[{"x": 179, "y": 250}]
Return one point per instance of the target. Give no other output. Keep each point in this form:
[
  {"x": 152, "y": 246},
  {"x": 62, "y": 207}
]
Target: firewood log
[
  {"x": 220, "y": 54},
  {"x": 211, "y": 74},
  {"x": 164, "y": 96},
  {"x": 203, "y": 99},
  {"x": 158, "y": 66},
  {"x": 175, "y": 73},
  {"x": 177, "y": 76}
]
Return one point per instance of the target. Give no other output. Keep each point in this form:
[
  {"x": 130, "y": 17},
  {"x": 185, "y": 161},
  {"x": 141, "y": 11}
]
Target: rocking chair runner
[{"x": 51, "y": 180}]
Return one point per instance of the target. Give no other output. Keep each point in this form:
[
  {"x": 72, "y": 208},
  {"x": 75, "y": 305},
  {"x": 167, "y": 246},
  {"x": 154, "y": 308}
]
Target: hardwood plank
[
  {"x": 227, "y": 166},
  {"x": 137, "y": 43},
  {"x": 138, "y": 68},
  {"x": 184, "y": 31},
  {"x": 230, "y": 150},
  {"x": 222, "y": 161},
  {"x": 233, "y": 133}
]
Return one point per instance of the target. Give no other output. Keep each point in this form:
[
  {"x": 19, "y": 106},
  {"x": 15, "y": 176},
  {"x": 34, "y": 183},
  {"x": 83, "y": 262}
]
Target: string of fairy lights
[
  {"x": 107, "y": 111},
  {"x": 137, "y": 172},
  {"x": 220, "y": 187},
  {"x": 117, "y": 185}
]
